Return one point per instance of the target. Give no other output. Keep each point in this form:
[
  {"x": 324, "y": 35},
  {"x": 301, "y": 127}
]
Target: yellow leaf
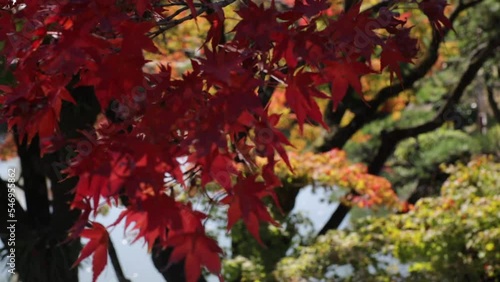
[{"x": 490, "y": 247}]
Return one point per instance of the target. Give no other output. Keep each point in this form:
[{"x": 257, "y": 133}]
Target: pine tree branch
[{"x": 392, "y": 138}]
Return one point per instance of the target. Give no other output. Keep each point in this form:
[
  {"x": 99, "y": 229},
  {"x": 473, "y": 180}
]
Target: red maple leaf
[
  {"x": 192, "y": 8},
  {"x": 218, "y": 167},
  {"x": 100, "y": 174},
  {"x": 245, "y": 203},
  {"x": 79, "y": 226},
  {"x": 258, "y": 25},
  {"x": 135, "y": 39},
  {"x": 6, "y": 25},
  {"x": 310, "y": 8},
  {"x": 153, "y": 216},
  {"x": 98, "y": 246},
  {"x": 342, "y": 74},
  {"x": 300, "y": 94},
  {"x": 400, "y": 48},
  {"x": 220, "y": 65},
  {"x": 268, "y": 138},
  {"x": 354, "y": 33},
  {"x": 216, "y": 31},
  {"x": 142, "y": 6},
  {"x": 198, "y": 250},
  {"x": 434, "y": 10}
]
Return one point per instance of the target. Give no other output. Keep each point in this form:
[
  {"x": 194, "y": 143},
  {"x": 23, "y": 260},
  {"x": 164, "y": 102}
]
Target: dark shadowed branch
[
  {"x": 336, "y": 219},
  {"x": 116, "y": 263}
]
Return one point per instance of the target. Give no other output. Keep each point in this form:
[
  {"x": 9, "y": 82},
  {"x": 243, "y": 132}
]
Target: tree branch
[
  {"x": 336, "y": 219},
  {"x": 37, "y": 201},
  {"x": 116, "y": 262},
  {"x": 391, "y": 139}
]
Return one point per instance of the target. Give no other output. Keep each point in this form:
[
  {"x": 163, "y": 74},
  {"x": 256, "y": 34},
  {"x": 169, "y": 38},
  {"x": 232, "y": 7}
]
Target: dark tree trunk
[
  {"x": 41, "y": 254},
  {"x": 336, "y": 219}
]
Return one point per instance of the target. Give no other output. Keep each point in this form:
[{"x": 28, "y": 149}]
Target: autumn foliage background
[{"x": 154, "y": 105}]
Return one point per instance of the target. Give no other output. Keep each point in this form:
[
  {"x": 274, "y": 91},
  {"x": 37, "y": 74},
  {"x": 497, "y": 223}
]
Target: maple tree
[{"x": 80, "y": 85}]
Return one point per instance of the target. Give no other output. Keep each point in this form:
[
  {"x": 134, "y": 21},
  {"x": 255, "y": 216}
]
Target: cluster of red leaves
[{"x": 209, "y": 118}]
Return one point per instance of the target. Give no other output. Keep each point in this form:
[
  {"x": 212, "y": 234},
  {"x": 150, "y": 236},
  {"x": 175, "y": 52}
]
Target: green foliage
[
  {"x": 256, "y": 263},
  {"x": 479, "y": 23},
  {"x": 6, "y": 76},
  {"x": 242, "y": 269},
  {"x": 490, "y": 142},
  {"x": 453, "y": 237},
  {"x": 418, "y": 157},
  {"x": 363, "y": 152}
]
